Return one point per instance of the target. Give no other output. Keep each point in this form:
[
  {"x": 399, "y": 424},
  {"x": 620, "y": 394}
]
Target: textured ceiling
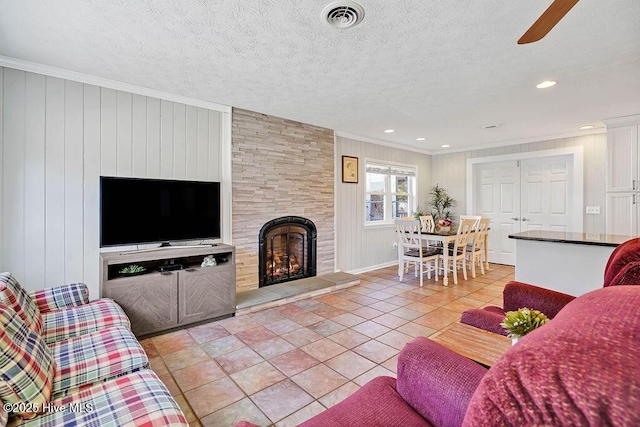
[{"x": 439, "y": 69}]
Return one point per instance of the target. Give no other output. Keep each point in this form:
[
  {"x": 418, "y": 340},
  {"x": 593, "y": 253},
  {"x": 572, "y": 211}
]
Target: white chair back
[
  {"x": 428, "y": 224},
  {"x": 462, "y": 238},
  {"x": 408, "y": 235},
  {"x": 476, "y": 219},
  {"x": 481, "y": 234}
]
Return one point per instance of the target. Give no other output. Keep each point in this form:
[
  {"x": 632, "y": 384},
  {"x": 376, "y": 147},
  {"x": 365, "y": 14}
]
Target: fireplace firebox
[{"x": 287, "y": 250}]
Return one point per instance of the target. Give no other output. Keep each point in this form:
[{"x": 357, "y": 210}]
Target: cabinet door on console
[
  {"x": 149, "y": 300},
  {"x": 206, "y": 292}
]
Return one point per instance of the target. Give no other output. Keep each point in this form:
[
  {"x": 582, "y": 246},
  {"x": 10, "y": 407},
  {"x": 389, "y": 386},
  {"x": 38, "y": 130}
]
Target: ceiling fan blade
[{"x": 547, "y": 21}]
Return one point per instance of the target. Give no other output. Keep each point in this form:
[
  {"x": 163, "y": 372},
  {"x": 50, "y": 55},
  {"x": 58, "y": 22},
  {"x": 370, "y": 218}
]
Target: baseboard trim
[{"x": 373, "y": 267}]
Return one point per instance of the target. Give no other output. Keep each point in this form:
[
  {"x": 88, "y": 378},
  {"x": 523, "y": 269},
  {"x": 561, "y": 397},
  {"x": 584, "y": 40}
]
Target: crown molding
[
  {"x": 595, "y": 131},
  {"x": 383, "y": 143},
  {"x": 61, "y": 73},
  {"x": 622, "y": 121}
]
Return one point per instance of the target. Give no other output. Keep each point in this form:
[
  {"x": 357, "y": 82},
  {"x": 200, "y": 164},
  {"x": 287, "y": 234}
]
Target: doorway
[{"x": 526, "y": 191}]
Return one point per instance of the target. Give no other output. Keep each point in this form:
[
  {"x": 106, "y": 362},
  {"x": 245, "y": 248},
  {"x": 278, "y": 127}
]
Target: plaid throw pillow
[
  {"x": 14, "y": 295},
  {"x": 27, "y": 367}
]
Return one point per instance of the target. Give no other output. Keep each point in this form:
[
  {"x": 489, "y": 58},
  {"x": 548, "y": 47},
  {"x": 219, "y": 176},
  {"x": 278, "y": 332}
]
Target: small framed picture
[{"x": 350, "y": 169}]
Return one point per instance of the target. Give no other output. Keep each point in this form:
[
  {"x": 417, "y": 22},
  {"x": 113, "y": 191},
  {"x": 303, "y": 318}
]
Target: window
[{"x": 390, "y": 192}]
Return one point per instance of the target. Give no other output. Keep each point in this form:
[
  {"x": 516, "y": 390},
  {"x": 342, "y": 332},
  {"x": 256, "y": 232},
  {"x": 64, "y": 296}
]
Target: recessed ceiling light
[
  {"x": 489, "y": 126},
  {"x": 586, "y": 127},
  {"x": 389, "y": 131},
  {"x": 545, "y": 84},
  {"x": 445, "y": 146},
  {"x": 420, "y": 139}
]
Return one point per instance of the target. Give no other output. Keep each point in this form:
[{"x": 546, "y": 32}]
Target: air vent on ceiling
[{"x": 343, "y": 14}]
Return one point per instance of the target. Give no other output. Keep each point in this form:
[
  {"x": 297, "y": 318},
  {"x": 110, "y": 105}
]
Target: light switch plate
[{"x": 593, "y": 210}]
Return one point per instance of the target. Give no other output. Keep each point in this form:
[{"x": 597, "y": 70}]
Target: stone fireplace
[
  {"x": 281, "y": 168},
  {"x": 287, "y": 250}
]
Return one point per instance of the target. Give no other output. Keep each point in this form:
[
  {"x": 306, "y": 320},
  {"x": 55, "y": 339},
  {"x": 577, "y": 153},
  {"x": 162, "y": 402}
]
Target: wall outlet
[{"x": 593, "y": 210}]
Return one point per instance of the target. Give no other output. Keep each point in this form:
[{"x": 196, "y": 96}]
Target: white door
[
  {"x": 546, "y": 184},
  {"x": 497, "y": 197},
  {"x": 533, "y": 194}
]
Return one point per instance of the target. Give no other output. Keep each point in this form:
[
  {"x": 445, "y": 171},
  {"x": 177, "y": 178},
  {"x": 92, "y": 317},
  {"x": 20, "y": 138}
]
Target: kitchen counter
[
  {"x": 577, "y": 238},
  {"x": 572, "y": 263}
]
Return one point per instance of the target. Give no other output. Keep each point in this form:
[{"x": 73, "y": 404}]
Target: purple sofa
[
  {"x": 580, "y": 369},
  {"x": 623, "y": 268}
]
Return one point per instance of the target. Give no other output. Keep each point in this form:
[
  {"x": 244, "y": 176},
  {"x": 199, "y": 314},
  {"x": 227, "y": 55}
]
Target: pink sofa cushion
[
  {"x": 623, "y": 266},
  {"x": 376, "y": 404},
  {"x": 579, "y": 369}
]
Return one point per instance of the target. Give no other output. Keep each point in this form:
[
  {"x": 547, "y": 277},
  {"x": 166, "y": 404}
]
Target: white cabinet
[
  {"x": 623, "y": 176},
  {"x": 622, "y": 159},
  {"x": 622, "y": 213}
]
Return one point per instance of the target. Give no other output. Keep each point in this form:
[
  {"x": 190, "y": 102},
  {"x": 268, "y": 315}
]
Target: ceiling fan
[{"x": 547, "y": 20}]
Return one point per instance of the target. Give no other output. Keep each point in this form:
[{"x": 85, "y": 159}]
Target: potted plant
[
  {"x": 519, "y": 323},
  {"x": 440, "y": 202}
]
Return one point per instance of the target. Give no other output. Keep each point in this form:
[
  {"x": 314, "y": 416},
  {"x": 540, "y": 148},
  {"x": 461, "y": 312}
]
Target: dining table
[{"x": 445, "y": 238}]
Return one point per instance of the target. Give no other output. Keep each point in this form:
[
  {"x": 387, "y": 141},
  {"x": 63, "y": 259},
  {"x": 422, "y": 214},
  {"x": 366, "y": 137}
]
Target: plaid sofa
[
  {"x": 62, "y": 312},
  {"x": 96, "y": 375}
]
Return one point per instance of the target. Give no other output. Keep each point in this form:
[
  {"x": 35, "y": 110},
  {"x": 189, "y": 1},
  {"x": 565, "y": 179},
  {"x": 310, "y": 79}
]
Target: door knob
[
  {"x": 515, "y": 218},
  {"x": 525, "y": 219}
]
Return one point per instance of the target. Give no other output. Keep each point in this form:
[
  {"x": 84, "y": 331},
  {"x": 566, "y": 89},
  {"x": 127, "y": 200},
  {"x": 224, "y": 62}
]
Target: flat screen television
[{"x": 139, "y": 210}]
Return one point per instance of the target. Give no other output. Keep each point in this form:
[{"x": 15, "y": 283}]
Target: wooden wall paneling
[
  {"x": 73, "y": 182},
  {"x": 166, "y": 139},
  {"x": 91, "y": 190},
  {"x": 124, "y": 131},
  {"x": 153, "y": 138},
  {"x": 13, "y": 170},
  {"x": 214, "y": 146},
  {"x": 179, "y": 142},
  {"x": 139, "y": 136},
  {"x": 203, "y": 144},
  {"x": 34, "y": 184},
  {"x": 108, "y": 132},
  {"x": 2, "y": 168},
  {"x": 191, "y": 141},
  {"x": 54, "y": 182}
]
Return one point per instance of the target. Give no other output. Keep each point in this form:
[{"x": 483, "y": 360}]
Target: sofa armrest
[
  {"x": 437, "y": 382},
  {"x": 488, "y": 318},
  {"x": 61, "y": 297},
  {"x": 517, "y": 295}
]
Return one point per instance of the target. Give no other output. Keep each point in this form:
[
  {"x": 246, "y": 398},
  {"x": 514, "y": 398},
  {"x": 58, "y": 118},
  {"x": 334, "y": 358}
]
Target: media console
[{"x": 174, "y": 290}]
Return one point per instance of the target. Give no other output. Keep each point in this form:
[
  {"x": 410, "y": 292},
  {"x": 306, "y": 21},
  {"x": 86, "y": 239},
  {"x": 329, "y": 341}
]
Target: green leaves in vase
[{"x": 520, "y": 323}]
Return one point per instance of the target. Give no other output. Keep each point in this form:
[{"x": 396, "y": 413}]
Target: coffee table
[{"x": 476, "y": 344}]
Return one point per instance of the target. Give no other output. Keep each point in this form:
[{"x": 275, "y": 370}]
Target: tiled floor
[{"x": 285, "y": 364}]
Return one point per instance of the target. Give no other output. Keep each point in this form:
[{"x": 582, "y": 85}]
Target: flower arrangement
[
  {"x": 520, "y": 323},
  {"x": 444, "y": 222}
]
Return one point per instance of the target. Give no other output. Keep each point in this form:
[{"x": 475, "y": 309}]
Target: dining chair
[
  {"x": 476, "y": 249},
  {"x": 457, "y": 252},
  {"x": 475, "y": 218},
  {"x": 410, "y": 250},
  {"x": 427, "y": 222}
]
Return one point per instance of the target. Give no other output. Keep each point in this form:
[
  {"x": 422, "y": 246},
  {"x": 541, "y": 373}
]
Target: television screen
[{"x": 136, "y": 210}]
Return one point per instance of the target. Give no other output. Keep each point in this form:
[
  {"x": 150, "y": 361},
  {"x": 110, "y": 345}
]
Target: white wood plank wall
[
  {"x": 360, "y": 248},
  {"x": 449, "y": 170},
  {"x": 56, "y": 138}
]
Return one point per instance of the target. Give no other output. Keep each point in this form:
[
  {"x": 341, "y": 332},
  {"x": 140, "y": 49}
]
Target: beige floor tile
[
  {"x": 281, "y": 400},
  {"x": 298, "y": 417},
  {"x": 183, "y": 358},
  {"x": 319, "y": 380},
  {"x": 215, "y": 395},
  {"x": 198, "y": 374},
  {"x": 350, "y": 364},
  {"x": 375, "y": 351},
  {"x": 323, "y": 349},
  {"x": 244, "y": 409},
  {"x": 257, "y": 377},
  {"x": 339, "y": 394}
]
